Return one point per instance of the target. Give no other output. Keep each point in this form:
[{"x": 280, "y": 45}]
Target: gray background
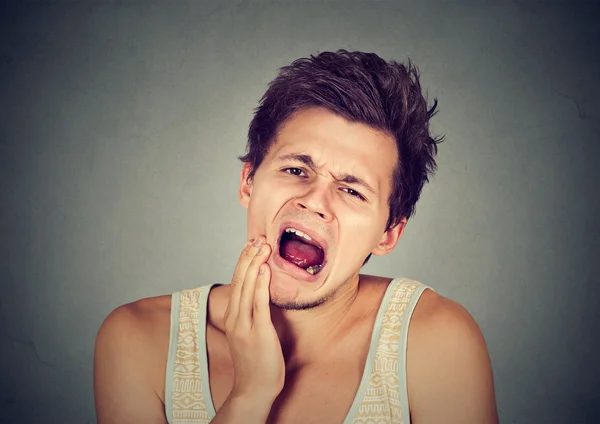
[{"x": 120, "y": 126}]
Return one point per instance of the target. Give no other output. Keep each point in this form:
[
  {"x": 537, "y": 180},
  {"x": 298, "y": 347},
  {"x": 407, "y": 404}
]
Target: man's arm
[
  {"x": 127, "y": 361},
  {"x": 449, "y": 371}
]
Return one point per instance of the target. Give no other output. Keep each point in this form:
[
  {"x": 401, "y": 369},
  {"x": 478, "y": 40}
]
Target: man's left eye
[{"x": 354, "y": 193}]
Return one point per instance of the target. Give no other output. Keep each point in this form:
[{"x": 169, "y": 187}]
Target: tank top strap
[
  {"x": 407, "y": 296},
  {"x": 184, "y": 386},
  {"x": 386, "y": 397}
]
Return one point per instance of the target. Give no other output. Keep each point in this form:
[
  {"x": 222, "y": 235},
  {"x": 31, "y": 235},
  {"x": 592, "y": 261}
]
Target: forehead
[{"x": 337, "y": 144}]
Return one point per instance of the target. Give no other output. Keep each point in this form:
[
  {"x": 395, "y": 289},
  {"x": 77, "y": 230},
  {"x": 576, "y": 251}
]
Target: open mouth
[{"x": 298, "y": 248}]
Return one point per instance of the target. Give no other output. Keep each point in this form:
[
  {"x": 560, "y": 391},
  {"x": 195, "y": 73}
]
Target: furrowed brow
[
  {"x": 353, "y": 179},
  {"x": 345, "y": 178},
  {"x": 293, "y": 157}
]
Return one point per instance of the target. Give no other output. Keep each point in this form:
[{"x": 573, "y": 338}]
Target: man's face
[{"x": 310, "y": 180}]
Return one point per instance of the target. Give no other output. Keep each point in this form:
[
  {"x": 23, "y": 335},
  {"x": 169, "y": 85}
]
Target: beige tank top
[{"x": 381, "y": 396}]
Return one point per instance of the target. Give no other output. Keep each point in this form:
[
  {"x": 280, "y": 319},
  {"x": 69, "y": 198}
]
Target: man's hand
[{"x": 259, "y": 367}]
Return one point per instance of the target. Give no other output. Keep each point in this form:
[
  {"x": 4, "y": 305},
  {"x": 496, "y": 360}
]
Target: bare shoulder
[
  {"x": 438, "y": 317},
  {"x": 129, "y": 361},
  {"x": 143, "y": 321},
  {"x": 449, "y": 373}
]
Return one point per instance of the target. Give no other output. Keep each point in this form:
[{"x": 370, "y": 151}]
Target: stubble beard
[
  {"x": 303, "y": 305},
  {"x": 294, "y": 305}
]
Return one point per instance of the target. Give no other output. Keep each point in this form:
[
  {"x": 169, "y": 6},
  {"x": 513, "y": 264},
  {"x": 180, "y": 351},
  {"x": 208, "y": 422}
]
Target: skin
[{"x": 264, "y": 354}]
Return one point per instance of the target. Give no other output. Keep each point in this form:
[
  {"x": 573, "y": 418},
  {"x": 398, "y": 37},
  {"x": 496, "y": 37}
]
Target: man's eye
[
  {"x": 294, "y": 171},
  {"x": 354, "y": 193}
]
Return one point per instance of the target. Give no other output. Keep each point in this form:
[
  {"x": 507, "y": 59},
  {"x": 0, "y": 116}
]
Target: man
[{"x": 338, "y": 153}]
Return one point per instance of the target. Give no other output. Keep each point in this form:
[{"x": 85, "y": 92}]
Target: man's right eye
[{"x": 294, "y": 171}]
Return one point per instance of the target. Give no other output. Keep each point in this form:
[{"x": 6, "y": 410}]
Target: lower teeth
[{"x": 313, "y": 269}]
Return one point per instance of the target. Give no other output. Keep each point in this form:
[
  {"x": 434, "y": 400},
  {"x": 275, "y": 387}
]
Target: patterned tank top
[{"x": 382, "y": 393}]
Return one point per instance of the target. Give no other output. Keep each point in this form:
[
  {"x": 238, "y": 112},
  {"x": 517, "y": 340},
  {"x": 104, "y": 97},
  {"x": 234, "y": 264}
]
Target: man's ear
[
  {"x": 245, "y": 186},
  {"x": 389, "y": 239}
]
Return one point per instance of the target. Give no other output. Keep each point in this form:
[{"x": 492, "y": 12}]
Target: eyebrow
[{"x": 345, "y": 177}]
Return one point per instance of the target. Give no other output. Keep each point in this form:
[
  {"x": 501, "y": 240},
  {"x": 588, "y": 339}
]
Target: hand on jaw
[{"x": 259, "y": 366}]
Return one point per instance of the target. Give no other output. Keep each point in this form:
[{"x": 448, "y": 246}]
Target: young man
[{"x": 338, "y": 153}]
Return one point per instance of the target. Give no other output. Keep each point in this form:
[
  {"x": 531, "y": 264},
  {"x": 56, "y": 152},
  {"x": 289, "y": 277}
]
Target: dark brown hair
[{"x": 360, "y": 87}]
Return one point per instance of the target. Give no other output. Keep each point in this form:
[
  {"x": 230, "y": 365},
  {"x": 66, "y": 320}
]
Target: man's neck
[{"x": 306, "y": 334}]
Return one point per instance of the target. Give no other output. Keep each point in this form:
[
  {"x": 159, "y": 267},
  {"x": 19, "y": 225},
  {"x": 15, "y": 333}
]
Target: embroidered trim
[
  {"x": 189, "y": 406},
  {"x": 381, "y": 402}
]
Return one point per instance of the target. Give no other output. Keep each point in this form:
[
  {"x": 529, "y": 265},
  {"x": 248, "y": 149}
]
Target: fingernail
[
  {"x": 250, "y": 242},
  {"x": 258, "y": 241},
  {"x": 260, "y": 251}
]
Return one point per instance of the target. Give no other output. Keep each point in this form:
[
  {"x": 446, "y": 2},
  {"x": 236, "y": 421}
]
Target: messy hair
[{"x": 363, "y": 88}]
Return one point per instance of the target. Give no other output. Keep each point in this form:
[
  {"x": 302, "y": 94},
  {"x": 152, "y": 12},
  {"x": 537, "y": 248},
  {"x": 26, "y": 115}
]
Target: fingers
[
  {"x": 262, "y": 299},
  {"x": 237, "y": 281},
  {"x": 244, "y": 260},
  {"x": 248, "y": 288}
]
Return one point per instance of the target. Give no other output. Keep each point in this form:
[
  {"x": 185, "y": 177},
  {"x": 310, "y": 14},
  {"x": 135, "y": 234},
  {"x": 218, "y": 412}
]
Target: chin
[
  {"x": 297, "y": 304},
  {"x": 286, "y": 294}
]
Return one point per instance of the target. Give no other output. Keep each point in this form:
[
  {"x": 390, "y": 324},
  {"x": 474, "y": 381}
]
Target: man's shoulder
[
  {"x": 447, "y": 361},
  {"x": 434, "y": 315},
  {"x": 140, "y": 316},
  {"x": 131, "y": 352},
  {"x": 442, "y": 319},
  {"x": 137, "y": 330}
]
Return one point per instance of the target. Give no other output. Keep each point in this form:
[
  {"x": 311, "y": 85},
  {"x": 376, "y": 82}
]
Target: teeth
[
  {"x": 313, "y": 269},
  {"x": 298, "y": 233}
]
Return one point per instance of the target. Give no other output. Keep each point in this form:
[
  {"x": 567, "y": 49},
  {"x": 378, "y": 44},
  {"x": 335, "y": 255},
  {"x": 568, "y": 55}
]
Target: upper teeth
[{"x": 298, "y": 233}]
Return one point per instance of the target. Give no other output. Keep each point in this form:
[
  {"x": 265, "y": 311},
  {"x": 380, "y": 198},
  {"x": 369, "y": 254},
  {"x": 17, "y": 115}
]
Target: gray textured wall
[{"x": 121, "y": 121}]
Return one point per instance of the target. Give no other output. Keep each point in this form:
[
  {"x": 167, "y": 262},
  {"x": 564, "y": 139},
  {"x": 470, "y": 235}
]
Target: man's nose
[{"x": 315, "y": 200}]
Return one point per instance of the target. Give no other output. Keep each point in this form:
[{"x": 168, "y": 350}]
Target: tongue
[{"x": 300, "y": 253}]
